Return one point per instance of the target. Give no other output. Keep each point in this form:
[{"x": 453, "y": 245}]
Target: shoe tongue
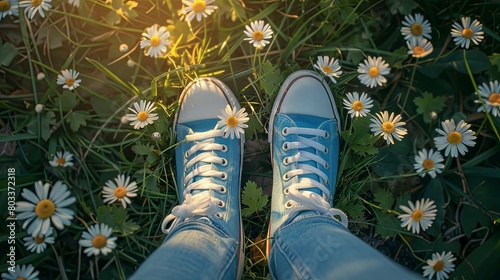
[{"x": 309, "y": 122}]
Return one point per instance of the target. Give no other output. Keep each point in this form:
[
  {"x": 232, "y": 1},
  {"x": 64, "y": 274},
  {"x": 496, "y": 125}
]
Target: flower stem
[{"x": 488, "y": 116}]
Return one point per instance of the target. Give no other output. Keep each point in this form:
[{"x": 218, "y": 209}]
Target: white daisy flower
[
  {"x": 491, "y": 98},
  {"x": 429, "y": 161},
  {"x": 75, "y": 3},
  {"x": 330, "y": 68},
  {"x": 372, "y": 71},
  {"x": 26, "y": 272},
  {"x": 155, "y": 40},
  {"x": 454, "y": 138},
  {"x": 31, "y": 7},
  {"x": 388, "y": 126},
  {"x": 416, "y": 27},
  {"x": 232, "y": 123},
  {"x": 441, "y": 265},
  {"x": 45, "y": 208},
  {"x": 62, "y": 159},
  {"x": 39, "y": 243},
  {"x": 198, "y": 9},
  {"x": 98, "y": 240},
  {"x": 8, "y": 7},
  {"x": 67, "y": 78},
  {"x": 418, "y": 215},
  {"x": 121, "y": 191},
  {"x": 467, "y": 32},
  {"x": 142, "y": 115},
  {"x": 358, "y": 106},
  {"x": 258, "y": 33},
  {"x": 419, "y": 47}
]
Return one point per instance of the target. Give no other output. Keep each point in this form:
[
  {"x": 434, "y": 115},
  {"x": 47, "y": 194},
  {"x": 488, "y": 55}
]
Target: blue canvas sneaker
[
  {"x": 304, "y": 137},
  {"x": 209, "y": 127}
]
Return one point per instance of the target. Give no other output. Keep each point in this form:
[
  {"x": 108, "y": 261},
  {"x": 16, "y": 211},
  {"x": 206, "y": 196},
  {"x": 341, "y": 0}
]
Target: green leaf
[
  {"x": 142, "y": 149},
  {"x": 116, "y": 217},
  {"x": 359, "y": 138},
  {"x": 77, "y": 119},
  {"x": 434, "y": 191},
  {"x": 477, "y": 60},
  {"x": 7, "y": 53},
  {"x": 253, "y": 199},
  {"x": 428, "y": 104},
  {"x": 482, "y": 263},
  {"x": 67, "y": 101},
  {"x": 470, "y": 217},
  {"x": 387, "y": 224},
  {"x": 270, "y": 78},
  {"x": 401, "y": 6},
  {"x": 47, "y": 119},
  {"x": 384, "y": 198},
  {"x": 495, "y": 60}
]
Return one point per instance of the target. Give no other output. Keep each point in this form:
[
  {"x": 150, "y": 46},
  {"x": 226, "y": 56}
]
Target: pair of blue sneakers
[{"x": 304, "y": 138}]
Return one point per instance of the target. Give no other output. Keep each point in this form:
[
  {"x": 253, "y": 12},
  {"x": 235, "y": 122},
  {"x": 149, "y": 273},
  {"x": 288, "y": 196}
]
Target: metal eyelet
[
  {"x": 288, "y": 205},
  {"x": 224, "y": 162},
  {"x": 284, "y": 131},
  {"x": 222, "y": 189},
  {"x": 285, "y": 146},
  {"x": 286, "y": 191},
  {"x": 325, "y": 151},
  {"x": 218, "y": 215},
  {"x": 186, "y": 154},
  {"x": 223, "y": 176},
  {"x": 224, "y": 148},
  {"x": 327, "y": 135},
  {"x": 286, "y": 177},
  {"x": 221, "y": 204},
  {"x": 326, "y": 166},
  {"x": 286, "y": 161}
]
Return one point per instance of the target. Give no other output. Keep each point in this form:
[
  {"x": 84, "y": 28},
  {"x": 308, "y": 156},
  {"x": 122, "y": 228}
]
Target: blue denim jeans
[{"x": 308, "y": 246}]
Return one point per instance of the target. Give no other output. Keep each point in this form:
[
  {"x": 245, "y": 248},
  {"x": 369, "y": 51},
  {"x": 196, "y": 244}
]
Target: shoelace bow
[
  {"x": 200, "y": 203},
  {"x": 300, "y": 198}
]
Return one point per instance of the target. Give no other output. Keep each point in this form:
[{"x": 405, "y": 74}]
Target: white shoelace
[
  {"x": 300, "y": 198},
  {"x": 200, "y": 203}
]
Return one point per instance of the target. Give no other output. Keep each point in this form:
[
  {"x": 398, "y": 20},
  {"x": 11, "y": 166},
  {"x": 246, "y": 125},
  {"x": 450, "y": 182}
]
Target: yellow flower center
[
  {"x": 418, "y": 215},
  {"x": 327, "y": 69},
  {"x": 373, "y": 72},
  {"x": 155, "y": 41},
  {"x": 418, "y": 50},
  {"x": 61, "y": 161},
  {"x": 467, "y": 33},
  {"x": 45, "y": 208},
  {"x": 439, "y": 266},
  {"x": 199, "y": 6},
  {"x": 416, "y": 29},
  {"x": 70, "y": 82},
  {"x": 494, "y": 99},
  {"x": 39, "y": 239},
  {"x": 99, "y": 241},
  {"x": 20, "y": 278},
  {"x": 258, "y": 35},
  {"x": 232, "y": 121},
  {"x": 4, "y": 6},
  {"x": 36, "y": 3},
  {"x": 428, "y": 164},
  {"x": 454, "y": 137},
  {"x": 357, "y": 105},
  {"x": 120, "y": 192},
  {"x": 142, "y": 116},
  {"x": 388, "y": 127}
]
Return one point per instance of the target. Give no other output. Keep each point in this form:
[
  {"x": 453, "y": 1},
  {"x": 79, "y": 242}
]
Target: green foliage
[
  {"x": 117, "y": 218},
  {"x": 428, "y": 104},
  {"x": 253, "y": 199}
]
